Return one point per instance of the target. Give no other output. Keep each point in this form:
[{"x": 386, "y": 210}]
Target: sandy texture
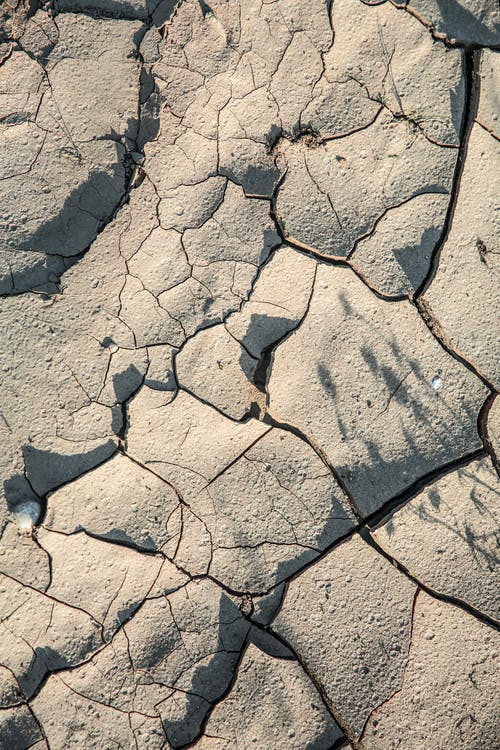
[{"x": 249, "y": 432}]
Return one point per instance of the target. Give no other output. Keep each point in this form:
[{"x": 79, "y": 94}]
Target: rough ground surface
[{"x": 249, "y": 436}]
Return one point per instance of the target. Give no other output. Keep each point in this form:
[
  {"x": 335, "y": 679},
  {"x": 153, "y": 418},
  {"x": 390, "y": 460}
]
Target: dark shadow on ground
[
  {"x": 46, "y": 470},
  {"x": 212, "y": 680}
]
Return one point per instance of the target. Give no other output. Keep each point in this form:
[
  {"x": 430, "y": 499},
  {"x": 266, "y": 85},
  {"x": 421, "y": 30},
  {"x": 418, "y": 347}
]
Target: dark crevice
[
  {"x": 341, "y": 744},
  {"x": 397, "y": 502},
  {"x": 482, "y": 428},
  {"x": 260, "y": 373},
  {"x": 437, "y": 36},
  {"x": 382, "y": 514},
  {"x": 122, "y": 432}
]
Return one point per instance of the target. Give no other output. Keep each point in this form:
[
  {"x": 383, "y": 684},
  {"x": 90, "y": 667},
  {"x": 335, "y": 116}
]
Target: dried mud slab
[
  {"x": 272, "y": 704},
  {"x": 41, "y": 634},
  {"x": 109, "y": 580},
  {"x": 22, "y": 558},
  {"x": 89, "y": 724},
  {"x": 418, "y": 225},
  {"x": 279, "y": 300},
  {"x": 447, "y": 536},
  {"x": 347, "y": 192},
  {"x": 257, "y": 502},
  {"x": 118, "y": 501},
  {"x": 449, "y": 679},
  {"x": 161, "y": 673},
  {"x": 398, "y": 684},
  {"x": 489, "y": 73},
  {"x": 292, "y": 509},
  {"x": 464, "y": 296},
  {"x": 217, "y": 369},
  {"x": 67, "y": 150},
  {"x": 349, "y": 618},
  {"x": 59, "y": 395},
  {"x": 382, "y": 401},
  {"x": 375, "y": 143}
]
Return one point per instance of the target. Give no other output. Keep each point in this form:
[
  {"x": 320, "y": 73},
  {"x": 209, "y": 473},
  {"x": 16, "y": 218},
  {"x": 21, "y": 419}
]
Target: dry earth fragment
[
  {"x": 397, "y": 254},
  {"x": 257, "y": 502},
  {"x": 163, "y": 669},
  {"x": 489, "y": 80},
  {"x": 218, "y": 370},
  {"x": 447, "y": 698},
  {"x": 68, "y": 149},
  {"x": 447, "y": 536},
  {"x": 379, "y": 396},
  {"x": 278, "y": 302},
  {"x": 349, "y": 618},
  {"x": 461, "y": 22},
  {"x": 334, "y": 193},
  {"x": 463, "y": 297},
  {"x": 107, "y": 579},
  {"x": 381, "y": 128},
  {"x": 22, "y": 558},
  {"x": 40, "y": 634},
  {"x": 493, "y": 430},
  {"x": 272, "y": 704},
  {"x": 270, "y": 512},
  {"x": 183, "y": 189},
  {"x": 119, "y": 501}
]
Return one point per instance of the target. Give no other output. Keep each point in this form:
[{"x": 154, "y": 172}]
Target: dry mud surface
[{"x": 249, "y": 431}]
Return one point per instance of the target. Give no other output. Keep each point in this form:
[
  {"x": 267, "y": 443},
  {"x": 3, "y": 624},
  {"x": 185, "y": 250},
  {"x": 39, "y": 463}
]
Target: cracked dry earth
[{"x": 249, "y": 352}]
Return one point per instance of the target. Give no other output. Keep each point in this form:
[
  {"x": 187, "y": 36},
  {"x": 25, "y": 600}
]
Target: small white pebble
[
  {"x": 27, "y": 514},
  {"x": 437, "y": 383}
]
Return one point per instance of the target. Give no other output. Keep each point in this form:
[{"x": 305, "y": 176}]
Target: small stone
[
  {"x": 437, "y": 383},
  {"x": 27, "y": 514}
]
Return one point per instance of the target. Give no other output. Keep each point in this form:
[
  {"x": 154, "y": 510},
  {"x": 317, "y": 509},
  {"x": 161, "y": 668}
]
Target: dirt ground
[{"x": 249, "y": 357}]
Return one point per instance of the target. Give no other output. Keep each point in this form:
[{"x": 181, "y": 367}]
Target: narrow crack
[
  {"x": 482, "y": 428},
  {"x": 425, "y": 311},
  {"x": 399, "y": 690}
]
